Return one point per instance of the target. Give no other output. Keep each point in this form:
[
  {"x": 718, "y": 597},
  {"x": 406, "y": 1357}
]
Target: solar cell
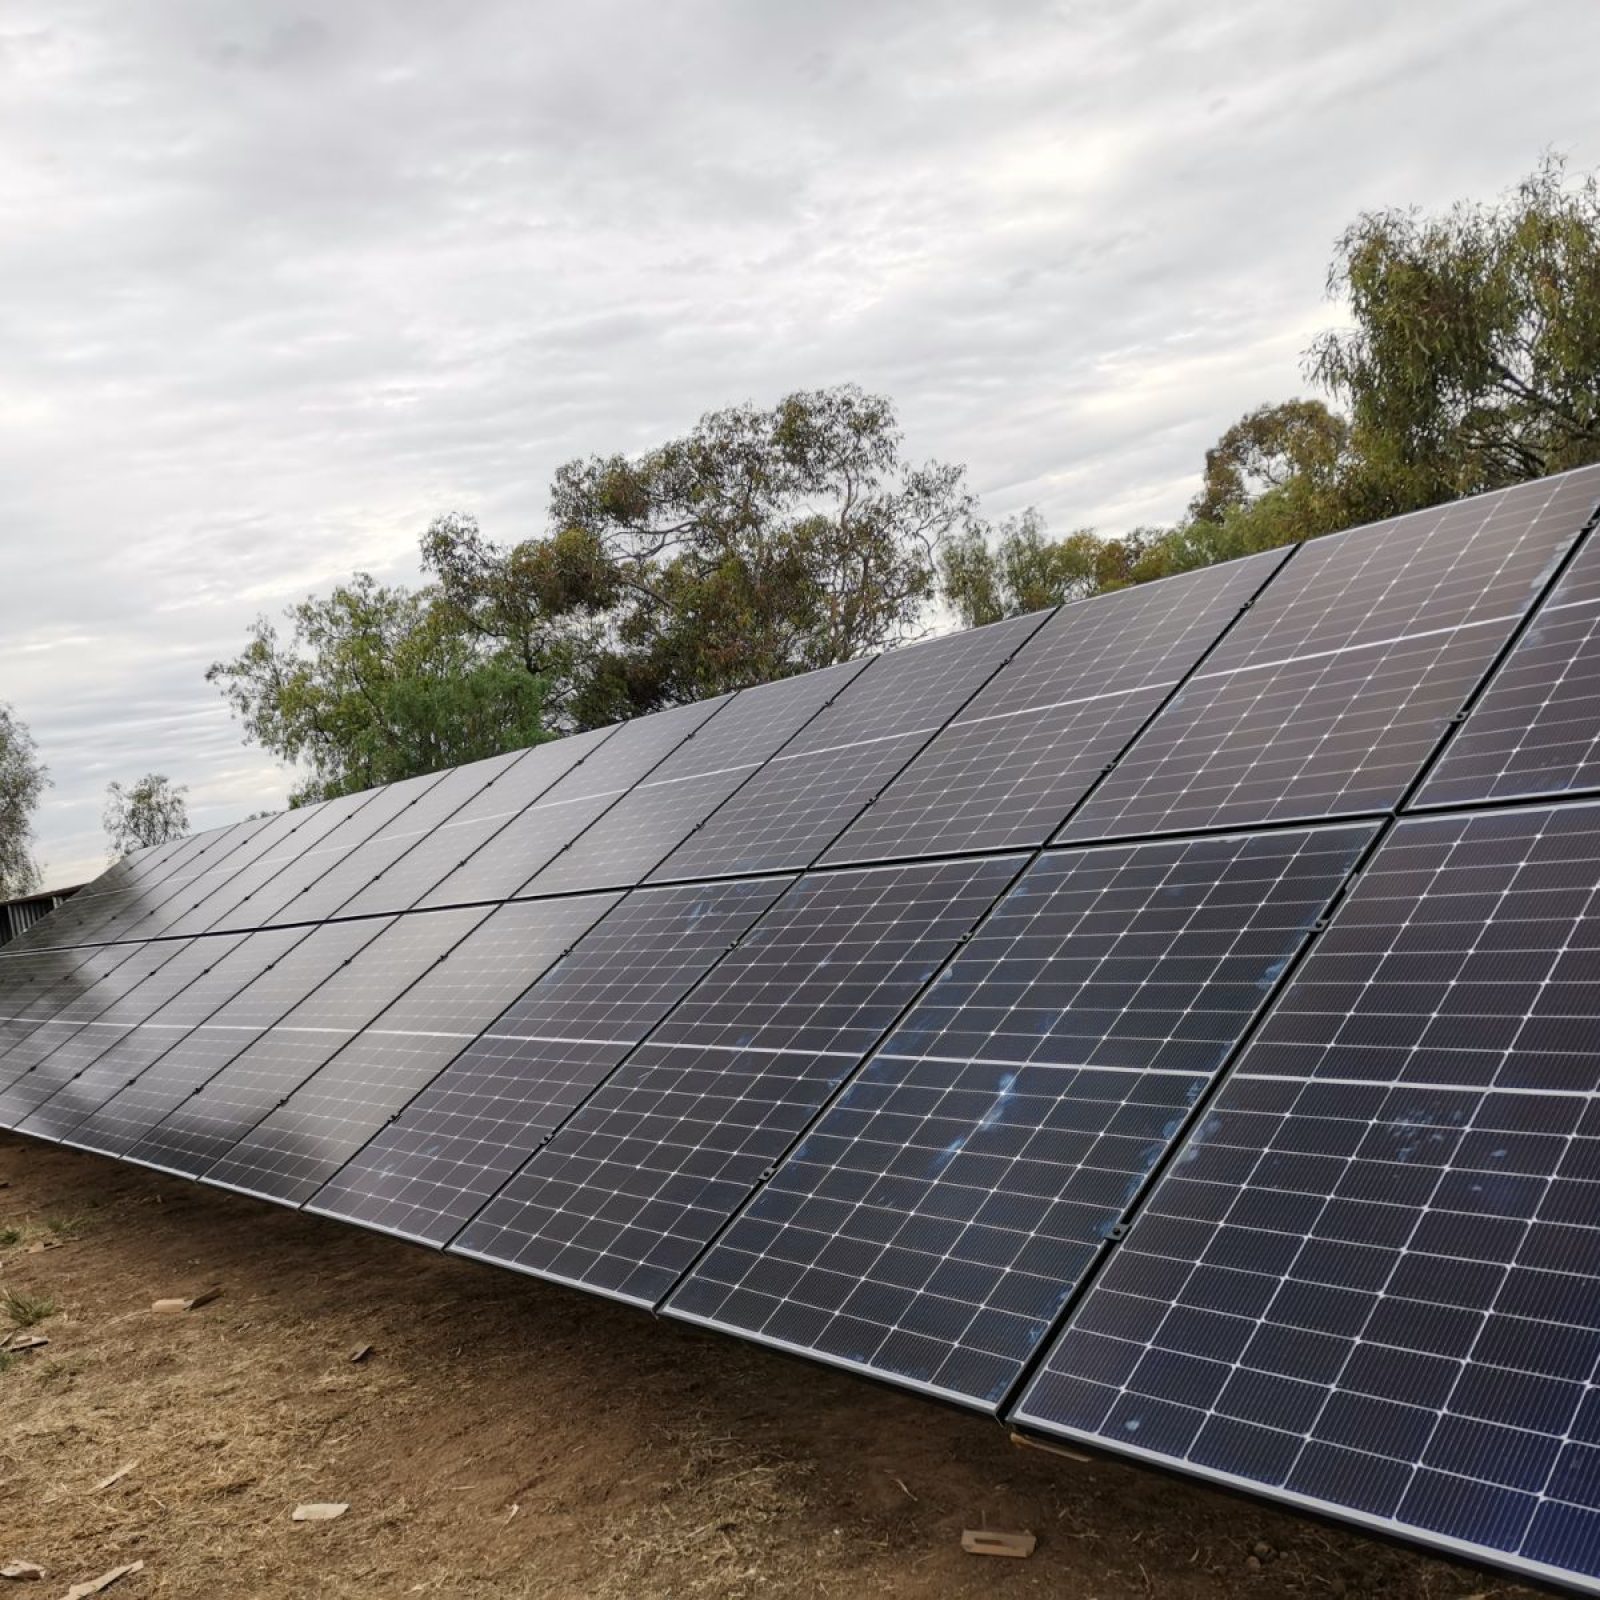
[
  {"x": 1331, "y": 693},
  {"x": 1536, "y": 731},
  {"x": 540, "y": 833},
  {"x": 629, "y": 1188},
  {"x": 295, "y": 1148},
  {"x": 1019, "y": 756},
  {"x": 192, "y": 1059},
  {"x": 54, "y": 1052},
  {"x": 933, "y": 1222},
  {"x": 207, "y": 1125},
  {"x": 1367, "y": 1282},
  {"x": 426, "y": 1174},
  {"x": 657, "y": 815},
  {"x": 233, "y": 961},
  {"x": 788, "y": 813},
  {"x": 439, "y": 852}
]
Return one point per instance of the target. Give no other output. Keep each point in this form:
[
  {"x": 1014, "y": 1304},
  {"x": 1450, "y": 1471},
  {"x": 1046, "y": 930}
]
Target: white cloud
[{"x": 276, "y": 289}]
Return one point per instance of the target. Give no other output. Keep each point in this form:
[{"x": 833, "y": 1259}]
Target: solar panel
[
  {"x": 87, "y": 993},
  {"x": 1009, "y": 768},
  {"x": 194, "y": 1058},
  {"x": 232, "y": 962},
  {"x": 123, "y": 891},
  {"x": 1328, "y": 697},
  {"x": 546, "y": 828},
  {"x": 1367, "y": 1284},
  {"x": 33, "y": 985},
  {"x": 644, "y": 1172},
  {"x": 657, "y": 815},
  {"x": 54, "y": 1052},
  {"x": 930, "y": 1226},
  {"x": 1536, "y": 731},
  {"x": 426, "y": 1174},
  {"x": 420, "y": 808},
  {"x": 272, "y": 1065},
  {"x": 218, "y": 895},
  {"x": 792, "y": 809},
  {"x": 291, "y": 894},
  {"x": 295, "y": 1148},
  {"x": 440, "y": 851}
]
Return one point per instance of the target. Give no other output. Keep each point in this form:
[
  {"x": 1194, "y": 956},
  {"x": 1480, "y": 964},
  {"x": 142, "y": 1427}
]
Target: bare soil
[{"x": 507, "y": 1438}]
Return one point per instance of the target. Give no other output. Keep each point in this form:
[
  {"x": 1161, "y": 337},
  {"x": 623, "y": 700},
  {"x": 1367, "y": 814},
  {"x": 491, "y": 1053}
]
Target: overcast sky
[{"x": 277, "y": 286}]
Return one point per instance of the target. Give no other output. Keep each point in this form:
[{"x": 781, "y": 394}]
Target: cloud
[{"x": 278, "y": 288}]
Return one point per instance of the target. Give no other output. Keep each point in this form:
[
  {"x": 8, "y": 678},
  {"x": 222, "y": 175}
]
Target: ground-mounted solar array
[{"x": 1169, "y": 1023}]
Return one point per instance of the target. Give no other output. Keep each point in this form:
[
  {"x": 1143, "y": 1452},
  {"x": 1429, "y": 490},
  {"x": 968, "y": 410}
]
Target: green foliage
[
  {"x": 1474, "y": 359},
  {"x": 375, "y": 684},
  {"x": 148, "y": 812},
  {"x": 25, "y": 1310},
  {"x": 1019, "y": 568},
  {"x": 23, "y": 779},
  {"x": 762, "y": 543},
  {"x": 9, "y": 1237}
]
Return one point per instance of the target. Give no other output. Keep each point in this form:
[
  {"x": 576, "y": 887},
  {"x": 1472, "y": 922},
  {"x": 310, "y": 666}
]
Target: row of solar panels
[{"x": 628, "y": 1011}]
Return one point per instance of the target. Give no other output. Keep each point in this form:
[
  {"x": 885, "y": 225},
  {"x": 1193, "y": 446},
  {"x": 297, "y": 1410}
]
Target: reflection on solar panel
[
  {"x": 1156, "y": 1010},
  {"x": 656, "y": 816},
  {"x": 94, "y": 988},
  {"x": 207, "y": 1125},
  {"x": 644, "y": 1172},
  {"x": 426, "y": 1174},
  {"x": 232, "y": 962},
  {"x": 1536, "y": 732},
  {"x": 1368, "y": 1281},
  {"x": 192, "y": 1059},
  {"x": 790, "y": 811},
  {"x": 180, "y": 963},
  {"x": 933, "y": 1222},
  {"x": 318, "y": 1127},
  {"x": 1007, "y": 770},
  {"x": 1333, "y": 691}
]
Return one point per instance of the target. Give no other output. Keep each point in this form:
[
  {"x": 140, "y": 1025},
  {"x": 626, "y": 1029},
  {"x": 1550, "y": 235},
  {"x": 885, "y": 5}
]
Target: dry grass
[{"x": 511, "y": 1440}]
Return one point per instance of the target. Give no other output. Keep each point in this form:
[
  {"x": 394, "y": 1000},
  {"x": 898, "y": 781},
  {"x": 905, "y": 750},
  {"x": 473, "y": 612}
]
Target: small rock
[
  {"x": 1253, "y": 1563},
  {"x": 1262, "y": 1549},
  {"x": 319, "y": 1511},
  {"x": 20, "y": 1570}
]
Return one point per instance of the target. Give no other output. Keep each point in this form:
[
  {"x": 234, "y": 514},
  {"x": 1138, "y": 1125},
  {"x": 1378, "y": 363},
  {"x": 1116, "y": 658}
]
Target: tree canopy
[
  {"x": 770, "y": 541},
  {"x": 23, "y": 779},
  {"x": 148, "y": 812}
]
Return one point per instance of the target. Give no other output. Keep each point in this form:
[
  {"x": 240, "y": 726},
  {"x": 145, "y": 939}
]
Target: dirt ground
[{"x": 512, "y": 1439}]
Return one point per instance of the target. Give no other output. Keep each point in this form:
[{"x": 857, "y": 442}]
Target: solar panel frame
[
  {"x": 1361, "y": 1240},
  {"x": 1330, "y": 697},
  {"x": 788, "y": 813},
  {"x": 1007, "y": 770},
  {"x": 665, "y": 1148},
  {"x": 426, "y": 1175},
  {"x": 933, "y": 1220}
]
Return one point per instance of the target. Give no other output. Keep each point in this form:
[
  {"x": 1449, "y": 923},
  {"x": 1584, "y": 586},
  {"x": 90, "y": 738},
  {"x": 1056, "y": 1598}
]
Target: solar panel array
[{"x": 1168, "y": 1023}]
